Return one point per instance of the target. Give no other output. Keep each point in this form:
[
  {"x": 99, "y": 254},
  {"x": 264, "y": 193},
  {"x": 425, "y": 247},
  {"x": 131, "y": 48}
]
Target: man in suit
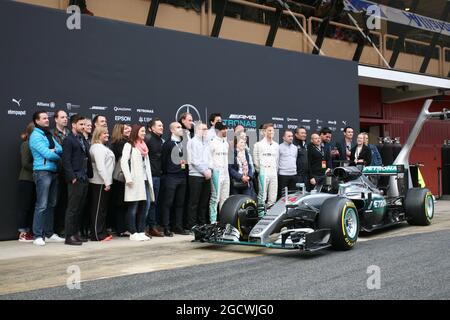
[
  {"x": 346, "y": 145},
  {"x": 318, "y": 160},
  {"x": 77, "y": 169}
]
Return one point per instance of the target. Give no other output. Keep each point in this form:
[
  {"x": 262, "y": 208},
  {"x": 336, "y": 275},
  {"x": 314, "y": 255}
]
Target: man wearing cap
[{"x": 220, "y": 180}]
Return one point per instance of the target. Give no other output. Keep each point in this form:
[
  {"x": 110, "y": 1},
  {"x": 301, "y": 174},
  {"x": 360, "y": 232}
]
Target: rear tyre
[
  {"x": 341, "y": 217},
  {"x": 419, "y": 206},
  {"x": 239, "y": 211}
]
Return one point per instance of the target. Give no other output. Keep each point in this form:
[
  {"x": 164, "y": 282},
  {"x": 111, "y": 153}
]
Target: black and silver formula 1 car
[{"x": 315, "y": 220}]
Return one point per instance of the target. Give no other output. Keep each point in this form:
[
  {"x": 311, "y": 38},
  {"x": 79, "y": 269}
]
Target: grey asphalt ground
[{"x": 415, "y": 266}]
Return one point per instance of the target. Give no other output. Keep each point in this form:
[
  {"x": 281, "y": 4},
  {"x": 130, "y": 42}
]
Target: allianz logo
[{"x": 46, "y": 104}]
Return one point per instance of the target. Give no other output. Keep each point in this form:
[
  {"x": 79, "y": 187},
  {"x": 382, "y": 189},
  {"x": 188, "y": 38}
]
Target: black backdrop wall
[{"x": 133, "y": 73}]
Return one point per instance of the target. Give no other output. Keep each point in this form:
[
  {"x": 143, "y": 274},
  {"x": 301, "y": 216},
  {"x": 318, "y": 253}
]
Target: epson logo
[
  {"x": 144, "y": 111},
  {"x": 46, "y": 104},
  {"x": 98, "y": 108},
  {"x": 121, "y": 109},
  {"x": 292, "y": 119},
  {"x": 277, "y": 119},
  {"x": 122, "y": 118},
  {"x": 17, "y": 112},
  {"x": 292, "y": 126},
  {"x": 242, "y": 116}
]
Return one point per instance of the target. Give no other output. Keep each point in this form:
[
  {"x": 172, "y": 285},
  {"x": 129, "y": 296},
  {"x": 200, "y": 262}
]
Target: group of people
[{"x": 79, "y": 181}]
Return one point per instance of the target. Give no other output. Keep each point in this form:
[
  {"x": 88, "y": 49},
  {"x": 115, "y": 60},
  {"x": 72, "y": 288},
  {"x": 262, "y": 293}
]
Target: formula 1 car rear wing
[
  {"x": 403, "y": 156},
  {"x": 393, "y": 170}
]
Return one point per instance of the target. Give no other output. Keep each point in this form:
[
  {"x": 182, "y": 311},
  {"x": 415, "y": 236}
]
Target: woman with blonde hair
[
  {"x": 103, "y": 162},
  {"x": 376, "y": 157}
]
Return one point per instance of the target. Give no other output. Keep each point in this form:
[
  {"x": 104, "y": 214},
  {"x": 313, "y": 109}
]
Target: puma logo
[{"x": 17, "y": 101}]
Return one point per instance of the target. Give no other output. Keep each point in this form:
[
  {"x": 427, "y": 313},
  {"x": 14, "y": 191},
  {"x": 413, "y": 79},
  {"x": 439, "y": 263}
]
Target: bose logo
[{"x": 98, "y": 108}]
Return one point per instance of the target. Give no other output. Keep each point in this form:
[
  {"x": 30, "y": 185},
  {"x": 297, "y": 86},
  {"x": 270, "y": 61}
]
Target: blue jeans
[
  {"x": 151, "y": 216},
  {"x": 137, "y": 212},
  {"x": 46, "y": 196}
]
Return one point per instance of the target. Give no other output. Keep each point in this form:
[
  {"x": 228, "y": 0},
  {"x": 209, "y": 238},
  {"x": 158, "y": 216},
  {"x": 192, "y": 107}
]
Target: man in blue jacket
[{"x": 46, "y": 153}]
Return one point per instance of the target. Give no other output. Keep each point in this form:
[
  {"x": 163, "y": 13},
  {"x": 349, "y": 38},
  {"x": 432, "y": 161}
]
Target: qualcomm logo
[
  {"x": 189, "y": 108},
  {"x": 121, "y": 109},
  {"x": 16, "y": 101}
]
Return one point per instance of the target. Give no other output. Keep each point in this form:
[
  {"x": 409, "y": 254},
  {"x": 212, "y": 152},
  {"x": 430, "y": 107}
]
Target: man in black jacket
[
  {"x": 318, "y": 160},
  {"x": 302, "y": 156},
  {"x": 174, "y": 167},
  {"x": 154, "y": 142},
  {"x": 77, "y": 169}
]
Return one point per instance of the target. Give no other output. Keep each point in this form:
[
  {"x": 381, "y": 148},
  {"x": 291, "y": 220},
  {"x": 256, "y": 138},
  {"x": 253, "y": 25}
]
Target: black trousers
[
  {"x": 118, "y": 207},
  {"x": 174, "y": 195},
  {"x": 286, "y": 181},
  {"x": 25, "y": 207},
  {"x": 99, "y": 199},
  {"x": 200, "y": 191},
  {"x": 61, "y": 205},
  {"x": 77, "y": 195}
]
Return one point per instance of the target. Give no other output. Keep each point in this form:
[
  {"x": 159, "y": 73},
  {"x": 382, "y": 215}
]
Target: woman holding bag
[
  {"x": 241, "y": 172},
  {"x": 139, "y": 193},
  {"x": 118, "y": 208}
]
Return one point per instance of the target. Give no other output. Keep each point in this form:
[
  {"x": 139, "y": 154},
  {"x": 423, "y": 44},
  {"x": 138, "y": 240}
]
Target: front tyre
[
  {"x": 240, "y": 211},
  {"x": 341, "y": 217},
  {"x": 419, "y": 206}
]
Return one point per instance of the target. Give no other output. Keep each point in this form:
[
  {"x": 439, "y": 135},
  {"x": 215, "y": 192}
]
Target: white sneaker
[
  {"x": 39, "y": 242},
  {"x": 135, "y": 237},
  {"x": 143, "y": 236},
  {"x": 54, "y": 238}
]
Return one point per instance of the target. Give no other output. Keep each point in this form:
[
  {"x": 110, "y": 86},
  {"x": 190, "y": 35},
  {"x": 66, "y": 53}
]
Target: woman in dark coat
[
  {"x": 241, "y": 172},
  {"x": 361, "y": 154}
]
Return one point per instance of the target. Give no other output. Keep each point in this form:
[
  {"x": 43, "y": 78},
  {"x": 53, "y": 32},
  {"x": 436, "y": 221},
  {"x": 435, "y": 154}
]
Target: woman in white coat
[
  {"x": 103, "y": 162},
  {"x": 139, "y": 193}
]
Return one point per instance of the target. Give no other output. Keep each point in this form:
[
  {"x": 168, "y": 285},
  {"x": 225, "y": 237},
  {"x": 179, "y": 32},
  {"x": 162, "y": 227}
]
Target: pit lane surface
[{"x": 413, "y": 263}]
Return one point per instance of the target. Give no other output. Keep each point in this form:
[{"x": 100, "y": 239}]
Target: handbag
[
  {"x": 118, "y": 173},
  {"x": 239, "y": 185}
]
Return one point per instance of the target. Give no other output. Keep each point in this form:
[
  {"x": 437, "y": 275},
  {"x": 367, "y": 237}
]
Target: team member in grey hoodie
[{"x": 199, "y": 177}]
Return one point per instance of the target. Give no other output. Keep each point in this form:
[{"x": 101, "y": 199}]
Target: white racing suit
[
  {"x": 265, "y": 158},
  {"x": 220, "y": 180}
]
